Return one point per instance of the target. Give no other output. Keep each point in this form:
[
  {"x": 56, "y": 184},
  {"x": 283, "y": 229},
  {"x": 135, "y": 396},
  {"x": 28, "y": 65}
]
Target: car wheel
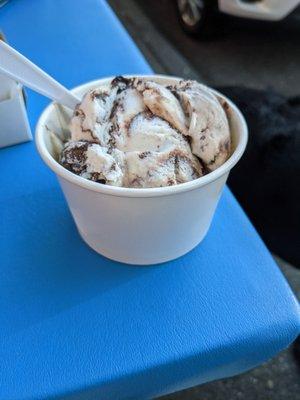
[{"x": 197, "y": 17}]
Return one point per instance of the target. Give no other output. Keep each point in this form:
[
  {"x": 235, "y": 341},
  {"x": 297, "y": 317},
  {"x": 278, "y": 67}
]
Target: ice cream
[{"x": 138, "y": 133}]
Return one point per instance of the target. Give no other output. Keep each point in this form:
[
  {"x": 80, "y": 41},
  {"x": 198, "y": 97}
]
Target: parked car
[{"x": 198, "y": 16}]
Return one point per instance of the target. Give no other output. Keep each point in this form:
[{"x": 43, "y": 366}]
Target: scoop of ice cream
[
  {"x": 208, "y": 126},
  {"x": 162, "y": 102},
  {"x": 138, "y": 133},
  {"x": 91, "y": 119}
]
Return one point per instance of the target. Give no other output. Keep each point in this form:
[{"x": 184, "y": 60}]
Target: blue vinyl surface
[{"x": 76, "y": 325}]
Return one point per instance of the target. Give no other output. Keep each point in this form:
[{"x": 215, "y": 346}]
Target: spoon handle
[{"x": 16, "y": 66}]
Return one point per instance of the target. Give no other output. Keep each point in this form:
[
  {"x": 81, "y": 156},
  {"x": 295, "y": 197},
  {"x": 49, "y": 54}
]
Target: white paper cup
[{"x": 140, "y": 226}]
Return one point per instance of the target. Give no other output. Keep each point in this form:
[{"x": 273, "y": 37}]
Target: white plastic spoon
[{"x": 19, "y": 68}]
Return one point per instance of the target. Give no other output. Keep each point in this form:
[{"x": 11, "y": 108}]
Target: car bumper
[{"x": 272, "y": 10}]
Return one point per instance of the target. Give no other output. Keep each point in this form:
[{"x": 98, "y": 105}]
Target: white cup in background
[{"x": 141, "y": 226}]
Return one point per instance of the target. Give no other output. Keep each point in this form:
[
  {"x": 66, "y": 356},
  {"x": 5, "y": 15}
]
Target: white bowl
[{"x": 140, "y": 226}]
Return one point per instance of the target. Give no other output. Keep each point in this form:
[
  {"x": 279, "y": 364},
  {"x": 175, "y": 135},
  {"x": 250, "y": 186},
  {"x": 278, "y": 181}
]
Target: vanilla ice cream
[{"x": 138, "y": 133}]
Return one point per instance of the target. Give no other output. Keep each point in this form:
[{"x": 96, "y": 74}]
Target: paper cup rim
[{"x": 139, "y": 192}]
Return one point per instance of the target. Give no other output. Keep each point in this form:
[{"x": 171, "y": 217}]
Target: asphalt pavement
[{"x": 256, "y": 54}]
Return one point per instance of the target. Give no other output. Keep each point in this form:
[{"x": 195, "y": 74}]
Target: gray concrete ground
[
  {"x": 247, "y": 53},
  {"x": 256, "y": 54}
]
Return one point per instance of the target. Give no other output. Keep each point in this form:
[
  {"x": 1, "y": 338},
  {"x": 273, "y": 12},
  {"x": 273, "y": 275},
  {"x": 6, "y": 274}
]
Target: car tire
[{"x": 198, "y": 17}]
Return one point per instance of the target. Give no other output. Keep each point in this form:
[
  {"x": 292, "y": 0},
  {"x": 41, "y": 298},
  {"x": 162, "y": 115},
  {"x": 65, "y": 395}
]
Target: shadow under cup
[{"x": 138, "y": 226}]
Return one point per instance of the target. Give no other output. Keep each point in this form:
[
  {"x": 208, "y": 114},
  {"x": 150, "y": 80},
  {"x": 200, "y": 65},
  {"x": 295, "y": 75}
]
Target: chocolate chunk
[
  {"x": 144, "y": 154},
  {"x": 113, "y": 109},
  {"x": 225, "y": 105},
  {"x": 96, "y": 177},
  {"x": 121, "y": 83},
  {"x": 74, "y": 156}
]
